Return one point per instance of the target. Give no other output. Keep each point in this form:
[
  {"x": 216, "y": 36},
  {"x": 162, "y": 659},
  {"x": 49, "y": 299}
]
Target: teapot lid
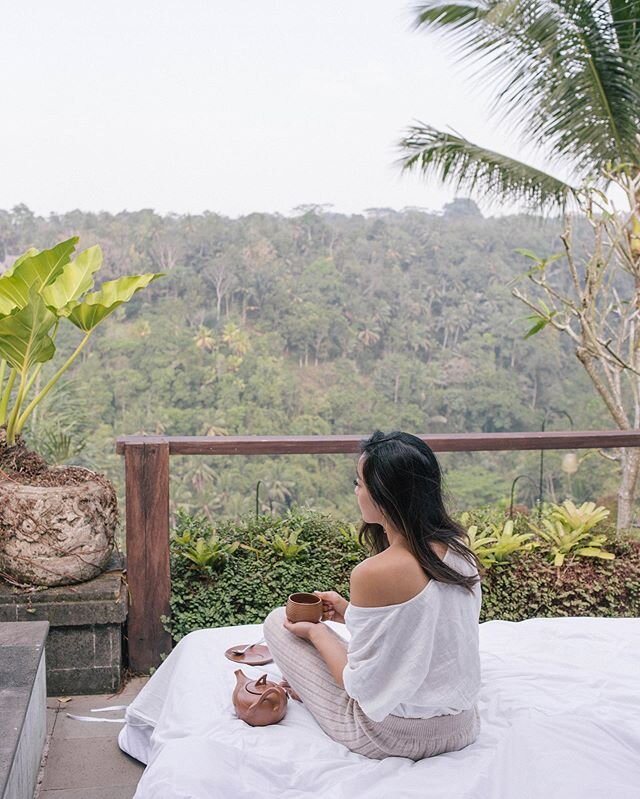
[{"x": 258, "y": 686}]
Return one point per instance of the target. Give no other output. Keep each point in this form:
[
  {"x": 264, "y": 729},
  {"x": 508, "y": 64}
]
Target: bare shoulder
[{"x": 386, "y": 579}]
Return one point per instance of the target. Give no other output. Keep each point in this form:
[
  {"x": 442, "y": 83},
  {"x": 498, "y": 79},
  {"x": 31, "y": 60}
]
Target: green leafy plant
[
  {"x": 531, "y": 587},
  {"x": 206, "y": 554},
  {"x": 350, "y": 534},
  {"x": 183, "y": 539},
  {"x": 497, "y": 542},
  {"x": 247, "y": 588},
  {"x": 527, "y": 585},
  {"x": 587, "y": 516},
  {"x": 520, "y": 43},
  {"x": 286, "y": 546},
  {"x": 567, "y": 531},
  {"x": 508, "y": 542},
  {"x": 197, "y": 543},
  {"x": 58, "y": 445},
  {"x": 480, "y": 544},
  {"x": 41, "y": 290}
]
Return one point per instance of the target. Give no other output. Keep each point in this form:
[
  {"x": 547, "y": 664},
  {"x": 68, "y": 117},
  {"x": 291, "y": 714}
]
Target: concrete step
[{"x": 23, "y": 703}]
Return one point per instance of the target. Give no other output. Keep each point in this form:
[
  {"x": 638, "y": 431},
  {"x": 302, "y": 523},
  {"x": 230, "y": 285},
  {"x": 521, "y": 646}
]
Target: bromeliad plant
[
  {"x": 507, "y": 543},
  {"x": 497, "y": 543},
  {"x": 568, "y": 530},
  {"x": 41, "y": 290},
  {"x": 480, "y": 544},
  {"x": 285, "y": 546},
  {"x": 204, "y": 554},
  {"x": 587, "y": 516}
]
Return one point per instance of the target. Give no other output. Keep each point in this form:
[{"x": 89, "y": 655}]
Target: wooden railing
[{"x": 146, "y": 461}]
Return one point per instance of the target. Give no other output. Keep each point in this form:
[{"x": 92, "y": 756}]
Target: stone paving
[{"x": 82, "y": 759}]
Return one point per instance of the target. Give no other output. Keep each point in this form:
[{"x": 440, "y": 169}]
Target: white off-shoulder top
[{"x": 419, "y": 658}]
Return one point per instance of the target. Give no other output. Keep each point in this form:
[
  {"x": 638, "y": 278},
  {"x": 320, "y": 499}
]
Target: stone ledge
[
  {"x": 101, "y": 600},
  {"x": 22, "y": 706},
  {"x": 84, "y": 647}
]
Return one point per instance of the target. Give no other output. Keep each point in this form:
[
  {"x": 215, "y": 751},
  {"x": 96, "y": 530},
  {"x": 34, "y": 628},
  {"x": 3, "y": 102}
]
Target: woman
[{"x": 406, "y": 683}]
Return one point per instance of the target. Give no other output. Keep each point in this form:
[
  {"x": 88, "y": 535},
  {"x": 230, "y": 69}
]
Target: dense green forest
[{"x": 315, "y": 323}]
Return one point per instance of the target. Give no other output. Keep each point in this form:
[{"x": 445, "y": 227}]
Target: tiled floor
[{"x": 82, "y": 759}]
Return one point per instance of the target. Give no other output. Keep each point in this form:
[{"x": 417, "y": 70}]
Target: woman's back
[
  {"x": 417, "y": 657},
  {"x": 407, "y": 682}
]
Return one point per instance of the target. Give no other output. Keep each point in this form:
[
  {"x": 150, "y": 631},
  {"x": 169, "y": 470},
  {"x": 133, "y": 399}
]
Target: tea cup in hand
[
  {"x": 304, "y": 607},
  {"x": 334, "y": 606}
]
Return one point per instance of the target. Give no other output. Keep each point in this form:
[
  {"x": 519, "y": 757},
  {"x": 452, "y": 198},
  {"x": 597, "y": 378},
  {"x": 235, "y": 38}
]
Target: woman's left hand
[{"x": 303, "y": 629}]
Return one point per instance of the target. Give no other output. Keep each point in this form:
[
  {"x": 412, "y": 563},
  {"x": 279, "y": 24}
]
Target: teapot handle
[{"x": 270, "y": 691}]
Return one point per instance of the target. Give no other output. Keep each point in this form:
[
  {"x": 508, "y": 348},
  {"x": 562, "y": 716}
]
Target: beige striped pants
[{"x": 341, "y": 717}]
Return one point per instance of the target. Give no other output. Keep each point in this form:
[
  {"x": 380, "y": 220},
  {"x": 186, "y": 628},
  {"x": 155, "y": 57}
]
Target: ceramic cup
[{"x": 304, "y": 607}]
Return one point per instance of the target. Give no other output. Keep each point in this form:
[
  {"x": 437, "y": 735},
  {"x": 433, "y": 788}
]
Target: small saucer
[{"x": 258, "y": 655}]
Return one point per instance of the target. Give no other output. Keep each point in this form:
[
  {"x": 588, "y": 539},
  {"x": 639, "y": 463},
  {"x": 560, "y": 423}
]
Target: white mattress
[{"x": 560, "y": 709}]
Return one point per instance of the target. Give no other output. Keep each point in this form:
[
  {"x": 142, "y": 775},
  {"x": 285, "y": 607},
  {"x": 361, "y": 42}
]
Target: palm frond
[
  {"x": 568, "y": 72},
  {"x": 463, "y": 164},
  {"x": 626, "y": 23}
]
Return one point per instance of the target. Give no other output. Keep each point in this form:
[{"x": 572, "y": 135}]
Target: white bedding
[{"x": 560, "y": 709}]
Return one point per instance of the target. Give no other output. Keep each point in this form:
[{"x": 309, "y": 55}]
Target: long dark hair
[{"x": 403, "y": 478}]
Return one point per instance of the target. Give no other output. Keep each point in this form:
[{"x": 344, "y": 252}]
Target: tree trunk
[
  {"x": 534, "y": 398},
  {"x": 626, "y": 491}
]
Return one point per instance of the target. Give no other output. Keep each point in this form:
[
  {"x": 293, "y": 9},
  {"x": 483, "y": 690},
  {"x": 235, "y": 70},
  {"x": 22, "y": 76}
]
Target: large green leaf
[
  {"x": 28, "y": 254},
  {"x": 97, "y": 306},
  {"x": 37, "y": 271},
  {"x": 24, "y": 334},
  {"x": 7, "y": 304},
  {"x": 595, "y": 552},
  {"x": 75, "y": 279}
]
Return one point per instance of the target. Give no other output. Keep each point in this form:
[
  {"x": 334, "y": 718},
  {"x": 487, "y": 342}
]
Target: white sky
[{"x": 231, "y": 106}]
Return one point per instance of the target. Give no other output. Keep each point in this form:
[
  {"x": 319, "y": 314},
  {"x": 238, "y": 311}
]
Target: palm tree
[
  {"x": 567, "y": 77},
  {"x": 205, "y": 340}
]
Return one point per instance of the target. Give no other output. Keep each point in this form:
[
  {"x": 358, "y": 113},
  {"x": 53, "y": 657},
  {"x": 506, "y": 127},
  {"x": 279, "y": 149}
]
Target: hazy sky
[{"x": 231, "y": 106}]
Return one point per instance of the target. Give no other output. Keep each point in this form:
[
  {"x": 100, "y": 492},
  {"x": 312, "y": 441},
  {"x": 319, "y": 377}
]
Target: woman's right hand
[{"x": 333, "y": 606}]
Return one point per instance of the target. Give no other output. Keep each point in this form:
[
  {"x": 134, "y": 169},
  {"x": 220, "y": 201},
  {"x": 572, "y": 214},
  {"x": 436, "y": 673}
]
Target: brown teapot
[{"x": 259, "y": 702}]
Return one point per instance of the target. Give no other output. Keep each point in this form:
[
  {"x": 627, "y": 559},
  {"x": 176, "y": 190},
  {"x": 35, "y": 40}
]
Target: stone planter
[{"x": 57, "y": 534}]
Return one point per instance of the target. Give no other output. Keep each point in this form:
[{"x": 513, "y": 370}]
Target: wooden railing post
[{"x": 148, "y": 576}]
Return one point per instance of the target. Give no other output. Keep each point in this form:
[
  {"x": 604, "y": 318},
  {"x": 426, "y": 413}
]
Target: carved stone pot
[{"x": 57, "y": 534}]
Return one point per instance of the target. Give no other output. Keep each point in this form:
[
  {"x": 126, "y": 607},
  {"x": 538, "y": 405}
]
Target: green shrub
[
  {"x": 533, "y": 587},
  {"x": 260, "y": 573},
  {"x": 256, "y": 573},
  {"x": 564, "y": 531}
]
